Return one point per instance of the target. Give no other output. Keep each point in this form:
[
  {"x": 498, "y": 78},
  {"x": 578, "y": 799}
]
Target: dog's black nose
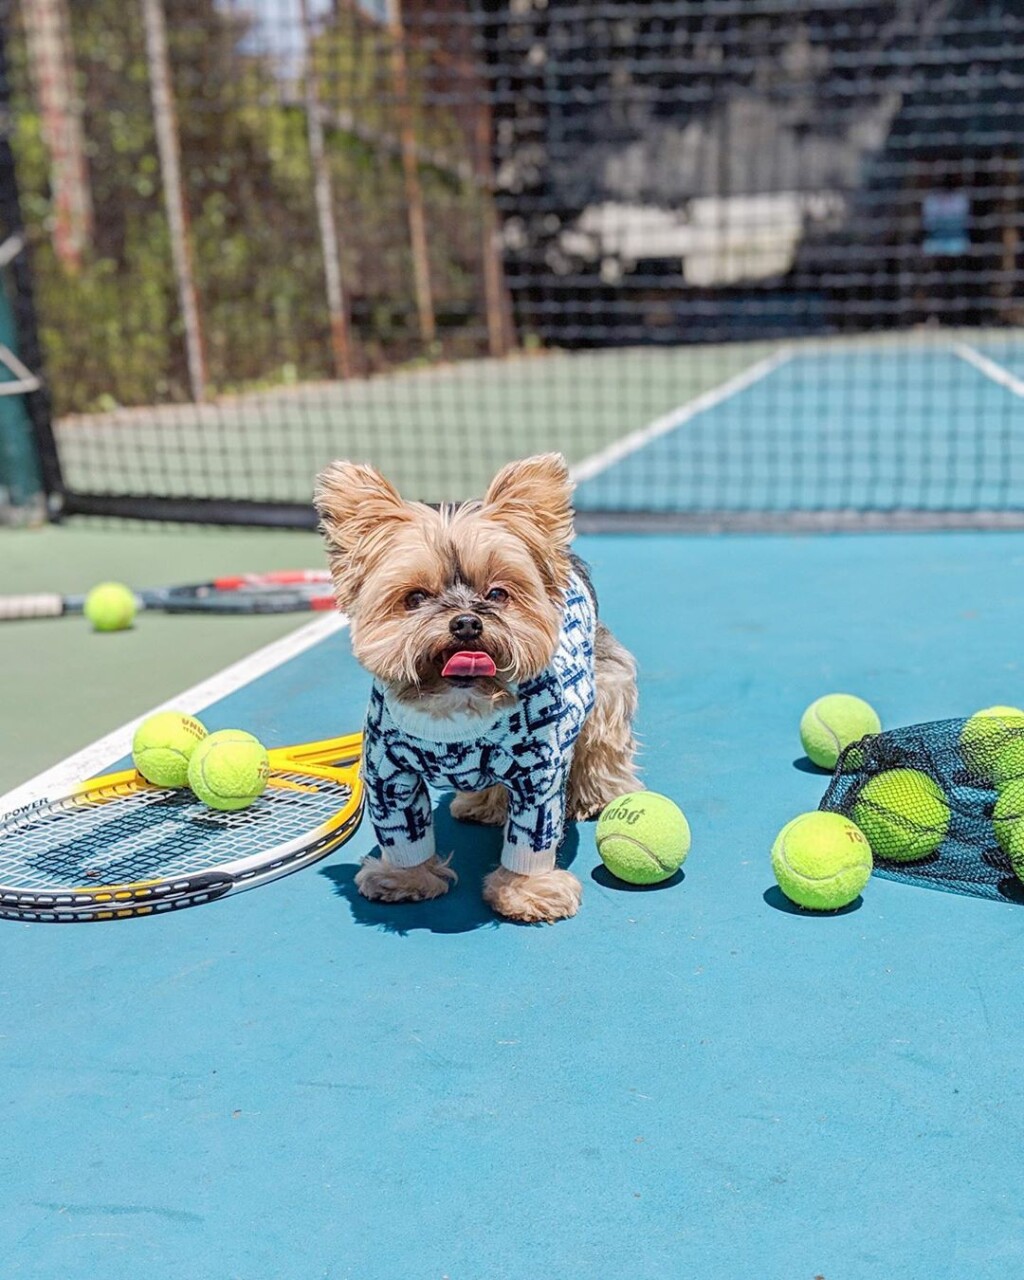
[{"x": 466, "y": 626}]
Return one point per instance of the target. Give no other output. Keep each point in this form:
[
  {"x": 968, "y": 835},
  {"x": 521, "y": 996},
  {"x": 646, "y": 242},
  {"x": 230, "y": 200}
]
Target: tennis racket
[
  {"x": 116, "y": 847},
  {"x": 284, "y": 591}
]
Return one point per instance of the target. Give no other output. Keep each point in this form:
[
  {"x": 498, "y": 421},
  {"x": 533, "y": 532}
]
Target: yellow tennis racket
[{"x": 116, "y": 847}]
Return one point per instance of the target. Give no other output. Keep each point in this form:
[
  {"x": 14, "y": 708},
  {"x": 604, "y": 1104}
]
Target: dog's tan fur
[
  {"x": 386, "y": 553},
  {"x": 553, "y": 895},
  {"x": 379, "y": 880}
]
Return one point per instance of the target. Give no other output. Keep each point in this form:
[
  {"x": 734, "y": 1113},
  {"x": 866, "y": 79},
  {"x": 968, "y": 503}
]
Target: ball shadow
[
  {"x": 602, "y": 876},
  {"x": 807, "y": 765},
  {"x": 1011, "y": 889},
  {"x": 475, "y": 851},
  {"x": 778, "y": 901}
]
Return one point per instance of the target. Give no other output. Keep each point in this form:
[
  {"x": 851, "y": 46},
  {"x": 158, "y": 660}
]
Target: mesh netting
[
  {"x": 928, "y": 767},
  {"x": 746, "y": 263}
]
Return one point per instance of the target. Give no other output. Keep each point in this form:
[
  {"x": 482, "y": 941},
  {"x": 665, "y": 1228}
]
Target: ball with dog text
[{"x": 643, "y": 837}]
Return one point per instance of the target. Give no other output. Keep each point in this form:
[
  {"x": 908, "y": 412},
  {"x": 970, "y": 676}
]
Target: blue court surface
[
  {"x": 686, "y": 1081},
  {"x": 928, "y": 427}
]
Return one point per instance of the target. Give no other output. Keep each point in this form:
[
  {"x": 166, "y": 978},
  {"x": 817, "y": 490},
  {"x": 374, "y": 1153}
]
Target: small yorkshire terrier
[{"x": 491, "y": 673}]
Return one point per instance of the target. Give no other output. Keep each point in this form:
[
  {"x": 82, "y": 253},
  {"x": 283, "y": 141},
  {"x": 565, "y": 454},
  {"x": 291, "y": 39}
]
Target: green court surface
[
  {"x": 692, "y": 1080},
  {"x": 64, "y": 685}
]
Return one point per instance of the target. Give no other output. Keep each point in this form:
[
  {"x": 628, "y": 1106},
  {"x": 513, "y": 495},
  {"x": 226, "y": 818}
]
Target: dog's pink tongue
[{"x": 470, "y": 662}]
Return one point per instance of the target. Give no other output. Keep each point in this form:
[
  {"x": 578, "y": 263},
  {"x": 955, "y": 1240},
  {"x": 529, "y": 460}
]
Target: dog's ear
[
  {"x": 359, "y": 513},
  {"x": 352, "y": 500},
  {"x": 533, "y": 500}
]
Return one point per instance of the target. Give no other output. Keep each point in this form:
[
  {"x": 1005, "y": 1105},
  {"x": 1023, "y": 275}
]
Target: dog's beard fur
[{"x": 402, "y": 571}]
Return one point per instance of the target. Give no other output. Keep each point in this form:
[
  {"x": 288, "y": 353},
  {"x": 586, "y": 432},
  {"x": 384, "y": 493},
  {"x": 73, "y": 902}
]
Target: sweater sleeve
[
  {"x": 397, "y": 798},
  {"x": 533, "y": 832}
]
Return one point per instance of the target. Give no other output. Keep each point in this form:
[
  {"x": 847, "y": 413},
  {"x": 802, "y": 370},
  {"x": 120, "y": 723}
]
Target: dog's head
[{"x": 451, "y": 608}]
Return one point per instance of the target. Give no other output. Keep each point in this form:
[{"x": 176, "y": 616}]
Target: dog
[{"x": 491, "y": 674}]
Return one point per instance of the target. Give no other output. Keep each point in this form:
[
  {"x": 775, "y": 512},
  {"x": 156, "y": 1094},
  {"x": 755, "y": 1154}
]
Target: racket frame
[
  {"x": 333, "y": 759},
  {"x": 279, "y": 591}
]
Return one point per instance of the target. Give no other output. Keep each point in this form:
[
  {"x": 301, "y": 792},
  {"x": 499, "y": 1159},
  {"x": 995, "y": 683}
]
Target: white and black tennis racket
[
  {"x": 283, "y": 591},
  {"x": 116, "y": 847}
]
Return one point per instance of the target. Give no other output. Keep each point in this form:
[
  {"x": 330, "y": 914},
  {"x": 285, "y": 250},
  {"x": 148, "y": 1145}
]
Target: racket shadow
[{"x": 475, "y": 851}]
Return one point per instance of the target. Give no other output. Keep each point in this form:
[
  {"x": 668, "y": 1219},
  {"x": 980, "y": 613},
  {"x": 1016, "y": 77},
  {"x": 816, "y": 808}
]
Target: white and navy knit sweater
[{"x": 526, "y": 747}]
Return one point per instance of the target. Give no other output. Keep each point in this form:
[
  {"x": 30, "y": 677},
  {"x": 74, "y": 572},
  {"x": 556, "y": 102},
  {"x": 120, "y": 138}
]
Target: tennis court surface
[
  {"x": 756, "y": 271},
  {"x": 690, "y": 1080}
]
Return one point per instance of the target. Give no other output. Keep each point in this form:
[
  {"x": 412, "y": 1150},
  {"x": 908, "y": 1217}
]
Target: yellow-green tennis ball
[
  {"x": 110, "y": 607},
  {"x": 822, "y": 861},
  {"x": 984, "y": 734},
  {"x": 831, "y": 723},
  {"x": 1008, "y": 823},
  {"x": 643, "y": 837},
  {"x": 164, "y": 744},
  {"x": 903, "y": 813},
  {"x": 1008, "y": 761},
  {"x": 229, "y": 769}
]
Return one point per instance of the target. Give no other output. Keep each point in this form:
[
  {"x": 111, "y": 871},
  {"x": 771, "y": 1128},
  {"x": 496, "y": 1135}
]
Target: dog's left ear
[{"x": 533, "y": 500}]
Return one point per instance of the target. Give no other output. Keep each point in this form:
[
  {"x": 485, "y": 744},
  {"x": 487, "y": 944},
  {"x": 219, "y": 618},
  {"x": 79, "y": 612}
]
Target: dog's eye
[
  {"x": 497, "y": 595},
  {"x": 415, "y": 598}
]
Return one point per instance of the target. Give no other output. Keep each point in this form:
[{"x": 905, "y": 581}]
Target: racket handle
[{"x": 38, "y": 606}]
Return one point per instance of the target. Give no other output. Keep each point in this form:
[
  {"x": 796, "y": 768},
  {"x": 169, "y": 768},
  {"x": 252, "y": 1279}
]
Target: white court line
[
  {"x": 599, "y": 462},
  {"x": 96, "y": 757},
  {"x": 989, "y": 368}
]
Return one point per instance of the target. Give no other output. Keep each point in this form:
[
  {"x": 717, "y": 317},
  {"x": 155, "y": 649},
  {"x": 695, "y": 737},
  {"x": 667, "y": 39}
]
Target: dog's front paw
[
  {"x": 382, "y": 881},
  {"x": 489, "y": 807},
  {"x": 552, "y": 895}
]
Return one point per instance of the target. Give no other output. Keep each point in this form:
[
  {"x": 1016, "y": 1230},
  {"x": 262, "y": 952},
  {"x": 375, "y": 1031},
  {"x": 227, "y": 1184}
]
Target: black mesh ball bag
[{"x": 929, "y": 819}]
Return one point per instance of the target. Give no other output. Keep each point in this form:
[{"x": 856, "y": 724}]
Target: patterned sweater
[{"x": 526, "y": 747}]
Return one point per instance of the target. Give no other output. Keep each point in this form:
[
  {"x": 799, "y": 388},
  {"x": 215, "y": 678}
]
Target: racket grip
[{"x": 38, "y": 606}]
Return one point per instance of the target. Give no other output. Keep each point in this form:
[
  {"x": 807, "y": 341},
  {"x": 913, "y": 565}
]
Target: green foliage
[{"x": 112, "y": 332}]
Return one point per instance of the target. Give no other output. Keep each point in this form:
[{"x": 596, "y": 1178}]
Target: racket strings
[{"x": 156, "y": 834}]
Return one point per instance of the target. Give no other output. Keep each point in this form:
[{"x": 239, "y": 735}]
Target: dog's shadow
[{"x": 476, "y": 850}]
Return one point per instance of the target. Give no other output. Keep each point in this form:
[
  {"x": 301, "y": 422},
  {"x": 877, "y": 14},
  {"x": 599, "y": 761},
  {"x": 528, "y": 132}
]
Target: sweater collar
[{"x": 428, "y": 728}]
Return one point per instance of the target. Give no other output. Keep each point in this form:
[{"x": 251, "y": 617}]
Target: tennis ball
[
  {"x": 643, "y": 837},
  {"x": 1008, "y": 823},
  {"x": 163, "y": 745},
  {"x": 831, "y": 723},
  {"x": 903, "y": 813},
  {"x": 1008, "y": 761},
  {"x": 229, "y": 769},
  {"x": 110, "y": 607},
  {"x": 984, "y": 734},
  {"x": 821, "y": 860}
]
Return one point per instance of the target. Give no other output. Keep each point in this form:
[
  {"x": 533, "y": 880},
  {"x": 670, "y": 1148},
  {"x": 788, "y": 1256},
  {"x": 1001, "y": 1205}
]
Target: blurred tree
[
  {"x": 113, "y": 331},
  {"x": 55, "y": 79}
]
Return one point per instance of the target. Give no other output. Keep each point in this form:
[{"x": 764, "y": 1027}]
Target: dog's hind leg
[
  {"x": 489, "y": 806},
  {"x": 603, "y": 761}
]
